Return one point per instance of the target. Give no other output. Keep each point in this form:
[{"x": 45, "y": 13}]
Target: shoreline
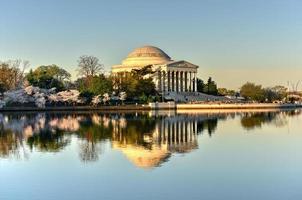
[
  {"x": 180, "y": 107},
  {"x": 241, "y": 106}
]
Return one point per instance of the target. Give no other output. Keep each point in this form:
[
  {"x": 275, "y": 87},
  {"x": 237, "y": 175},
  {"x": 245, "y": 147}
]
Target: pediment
[{"x": 182, "y": 64}]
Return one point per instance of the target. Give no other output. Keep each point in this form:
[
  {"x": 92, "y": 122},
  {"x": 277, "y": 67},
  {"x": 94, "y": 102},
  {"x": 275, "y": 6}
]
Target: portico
[{"x": 179, "y": 76}]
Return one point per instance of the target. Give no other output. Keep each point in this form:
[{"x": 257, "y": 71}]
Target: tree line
[
  {"x": 253, "y": 92},
  {"x": 91, "y": 80},
  {"x": 136, "y": 85}
]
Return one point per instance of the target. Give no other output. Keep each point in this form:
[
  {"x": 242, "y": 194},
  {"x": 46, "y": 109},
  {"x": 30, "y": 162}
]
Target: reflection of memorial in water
[
  {"x": 179, "y": 133},
  {"x": 147, "y": 139},
  {"x": 134, "y": 137},
  {"x": 171, "y": 134}
]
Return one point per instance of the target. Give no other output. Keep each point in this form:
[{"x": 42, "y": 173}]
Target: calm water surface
[{"x": 152, "y": 155}]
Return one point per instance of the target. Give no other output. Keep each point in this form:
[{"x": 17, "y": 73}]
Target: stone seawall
[
  {"x": 236, "y": 106},
  {"x": 154, "y": 106}
]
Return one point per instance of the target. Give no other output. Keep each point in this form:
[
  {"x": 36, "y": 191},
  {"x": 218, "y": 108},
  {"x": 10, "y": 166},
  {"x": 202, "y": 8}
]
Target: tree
[
  {"x": 210, "y": 87},
  {"x": 226, "y": 92},
  {"x": 53, "y": 71},
  {"x": 251, "y": 91},
  {"x": 276, "y": 93},
  {"x": 89, "y": 66},
  {"x": 5, "y": 77},
  {"x": 269, "y": 95},
  {"x": 128, "y": 84},
  {"x": 140, "y": 73},
  {"x": 123, "y": 96},
  {"x": 92, "y": 80},
  {"x": 12, "y": 74},
  {"x": 96, "y": 84},
  {"x": 106, "y": 98},
  {"x": 86, "y": 96},
  {"x": 200, "y": 85},
  {"x": 49, "y": 76},
  {"x": 136, "y": 83},
  {"x": 222, "y": 91},
  {"x": 19, "y": 67},
  {"x": 145, "y": 87},
  {"x": 281, "y": 91}
]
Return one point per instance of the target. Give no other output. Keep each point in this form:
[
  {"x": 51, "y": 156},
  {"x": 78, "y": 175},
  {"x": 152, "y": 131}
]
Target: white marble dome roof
[{"x": 147, "y": 55}]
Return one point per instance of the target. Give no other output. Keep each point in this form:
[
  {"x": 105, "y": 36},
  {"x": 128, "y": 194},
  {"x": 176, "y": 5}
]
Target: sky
[{"x": 233, "y": 41}]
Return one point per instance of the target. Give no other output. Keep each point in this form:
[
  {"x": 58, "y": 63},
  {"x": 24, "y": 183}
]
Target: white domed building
[{"x": 170, "y": 76}]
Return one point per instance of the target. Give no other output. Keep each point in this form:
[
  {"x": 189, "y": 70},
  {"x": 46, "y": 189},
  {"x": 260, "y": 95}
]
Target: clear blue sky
[{"x": 231, "y": 40}]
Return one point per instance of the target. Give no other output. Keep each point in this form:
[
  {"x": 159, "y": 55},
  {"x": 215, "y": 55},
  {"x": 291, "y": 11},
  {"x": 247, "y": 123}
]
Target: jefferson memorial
[{"x": 169, "y": 76}]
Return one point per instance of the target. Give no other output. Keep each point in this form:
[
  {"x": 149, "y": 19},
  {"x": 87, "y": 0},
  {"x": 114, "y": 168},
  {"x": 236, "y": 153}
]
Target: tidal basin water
[{"x": 153, "y": 155}]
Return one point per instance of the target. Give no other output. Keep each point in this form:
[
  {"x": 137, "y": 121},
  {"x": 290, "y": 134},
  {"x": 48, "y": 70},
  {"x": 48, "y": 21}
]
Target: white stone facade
[{"x": 169, "y": 76}]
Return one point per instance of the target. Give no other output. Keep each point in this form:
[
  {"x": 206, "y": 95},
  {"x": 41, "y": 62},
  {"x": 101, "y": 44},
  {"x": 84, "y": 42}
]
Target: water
[{"x": 151, "y": 155}]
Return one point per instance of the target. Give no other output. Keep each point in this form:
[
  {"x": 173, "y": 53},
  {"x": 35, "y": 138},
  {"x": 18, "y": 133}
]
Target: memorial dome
[{"x": 147, "y": 55}]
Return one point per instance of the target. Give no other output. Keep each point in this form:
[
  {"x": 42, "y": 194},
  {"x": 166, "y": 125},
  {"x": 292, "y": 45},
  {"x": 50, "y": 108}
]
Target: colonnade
[{"x": 177, "y": 81}]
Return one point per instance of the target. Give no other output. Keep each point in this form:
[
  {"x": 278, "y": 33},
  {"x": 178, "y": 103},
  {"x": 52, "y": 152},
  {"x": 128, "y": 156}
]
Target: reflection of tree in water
[
  {"x": 251, "y": 121},
  {"x": 210, "y": 125},
  {"x": 292, "y": 113},
  {"x": 10, "y": 144},
  {"x": 136, "y": 131},
  {"x": 124, "y": 129},
  {"x": 91, "y": 134},
  {"x": 255, "y": 120},
  {"x": 32, "y": 129},
  {"x": 48, "y": 141},
  {"x": 51, "y": 132},
  {"x": 89, "y": 151},
  {"x": 147, "y": 140}
]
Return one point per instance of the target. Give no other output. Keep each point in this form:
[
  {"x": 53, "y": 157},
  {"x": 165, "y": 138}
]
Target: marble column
[
  {"x": 159, "y": 87},
  {"x": 168, "y": 81},
  {"x": 181, "y": 81},
  {"x": 195, "y": 79},
  {"x": 190, "y": 79},
  {"x": 172, "y": 81},
  {"x": 186, "y": 81},
  {"x": 164, "y": 81},
  {"x": 175, "y": 81}
]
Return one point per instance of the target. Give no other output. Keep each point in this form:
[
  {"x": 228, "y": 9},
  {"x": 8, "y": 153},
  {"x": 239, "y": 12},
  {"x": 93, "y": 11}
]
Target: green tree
[
  {"x": 226, "y": 92},
  {"x": 145, "y": 87},
  {"x": 127, "y": 84},
  {"x": 140, "y": 73},
  {"x": 281, "y": 91},
  {"x": 251, "y": 91},
  {"x": 136, "y": 84},
  {"x": 210, "y": 87},
  {"x": 222, "y": 91},
  {"x": 96, "y": 85},
  {"x": 200, "y": 85},
  {"x": 48, "y": 76},
  {"x": 276, "y": 93}
]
